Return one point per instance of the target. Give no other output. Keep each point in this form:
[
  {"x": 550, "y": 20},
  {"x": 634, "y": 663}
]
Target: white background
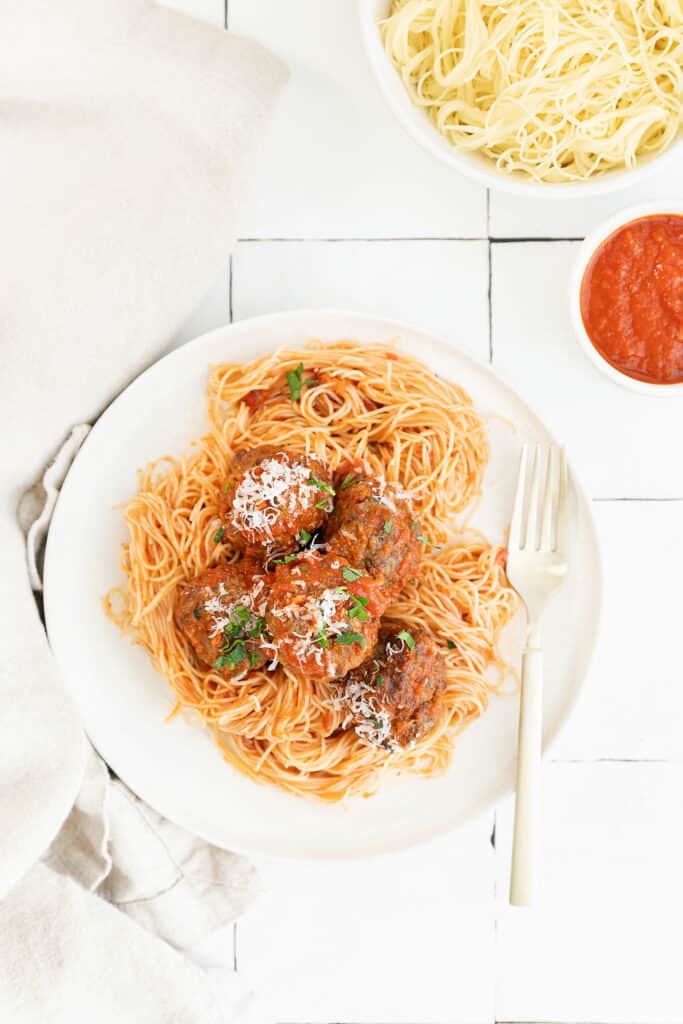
[{"x": 346, "y": 211}]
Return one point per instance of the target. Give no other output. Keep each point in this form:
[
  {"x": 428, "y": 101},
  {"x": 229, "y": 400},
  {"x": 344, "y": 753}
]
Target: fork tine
[
  {"x": 531, "y": 541},
  {"x": 515, "y": 539},
  {"x": 549, "y": 499},
  {"x": 562, "y": 506}
]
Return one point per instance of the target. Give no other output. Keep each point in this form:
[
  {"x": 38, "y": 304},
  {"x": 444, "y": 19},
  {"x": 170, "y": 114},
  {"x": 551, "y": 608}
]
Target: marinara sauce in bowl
[{"x": 627, "y": 297}]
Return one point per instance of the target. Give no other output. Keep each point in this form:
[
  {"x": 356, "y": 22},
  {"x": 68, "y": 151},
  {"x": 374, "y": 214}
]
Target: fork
[{"x": 537, "y": 563}]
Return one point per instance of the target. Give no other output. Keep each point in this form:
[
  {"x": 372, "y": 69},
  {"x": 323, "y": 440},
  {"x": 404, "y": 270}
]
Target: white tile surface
[
  {"x": 441, "y": 286},
  {"x": 407, "y": 938},
  {"x": 632, "y": 706},
  {"x": 514, "y": 217},
  {"x": 213, "y": 311},
  {"x": 604, "y": 943},
  {"x": 624, "y": 444},
  {"x": 336, "y": 165}
]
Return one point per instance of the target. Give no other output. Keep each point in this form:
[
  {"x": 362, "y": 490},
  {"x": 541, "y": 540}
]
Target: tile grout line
[
  {"x": 490, "y": 272},
  {"x": 374, "y": 238},
  {"x": 496, "y": 946},
  {"x": 516, "y": 240},
  {"x": 614, "y": 760},
  {"x": 225, "y": 14},
  {"x": 230, "y": 288},
  {"x": 489, "y": 297},
  {"x": 631, "y": 499},
  {"x": 494, "y": 240}
]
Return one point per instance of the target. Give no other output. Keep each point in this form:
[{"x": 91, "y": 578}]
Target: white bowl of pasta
[{"x": 556, "y": 129}]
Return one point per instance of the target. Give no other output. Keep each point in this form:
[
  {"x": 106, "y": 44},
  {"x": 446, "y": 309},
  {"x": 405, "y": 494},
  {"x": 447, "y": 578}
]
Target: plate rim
[{"x": 388, "y": 327}]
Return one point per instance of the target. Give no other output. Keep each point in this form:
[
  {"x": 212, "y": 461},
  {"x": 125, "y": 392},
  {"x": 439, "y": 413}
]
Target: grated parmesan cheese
[
  {"x": 272, "y": 487},
  {"x": 361, "y": 701},
  {"x": 222, "y": 610},
  {"x": 373, "y": 722},
  {"x": 387, "y": 494},
  {"x": 320, "y": 614}
]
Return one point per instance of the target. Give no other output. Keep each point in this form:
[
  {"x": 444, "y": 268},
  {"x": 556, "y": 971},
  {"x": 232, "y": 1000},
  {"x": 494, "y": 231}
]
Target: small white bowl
[
  {"x": 477, "y": 166},
  {"x": 588, "y": 248}
]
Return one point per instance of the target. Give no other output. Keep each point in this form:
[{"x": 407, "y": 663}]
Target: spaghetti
[
  {"x": 560, "y": 90},
  {"x": 357, "y": 402}
]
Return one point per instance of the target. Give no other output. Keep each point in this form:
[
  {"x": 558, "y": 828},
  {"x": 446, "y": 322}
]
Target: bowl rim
[
  {"x": 430, "y": 139},
  {"x": 588, "y": 248}
]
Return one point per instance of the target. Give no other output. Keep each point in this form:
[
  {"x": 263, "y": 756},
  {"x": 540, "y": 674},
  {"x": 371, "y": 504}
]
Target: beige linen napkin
[{"x": 127, "y": 133}]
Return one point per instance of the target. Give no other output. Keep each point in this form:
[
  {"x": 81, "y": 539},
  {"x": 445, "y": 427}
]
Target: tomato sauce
[
  {"x": 255, "y": 399},
  {"x": 632, "y": 299}
]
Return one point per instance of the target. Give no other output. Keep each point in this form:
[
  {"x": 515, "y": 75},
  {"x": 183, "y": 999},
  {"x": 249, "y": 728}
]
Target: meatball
[
  {"x": 372, "y": 526},
  {"x": 273, "y": 498},
  {"x": 395, "y": 697},
  {"x": 221, "y": 614},
  {"x": 322, "y": 614}
]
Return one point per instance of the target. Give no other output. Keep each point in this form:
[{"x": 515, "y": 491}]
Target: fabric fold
[
  {"x": 168, "y": 881},
  {"x": 75, "y": 958}
]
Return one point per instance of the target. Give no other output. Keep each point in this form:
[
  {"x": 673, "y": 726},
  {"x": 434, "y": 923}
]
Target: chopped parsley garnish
[
  {"x": 407, "y": 638},
  {"x": 320, "y": 484},
  {"x": 425, "y": 540},
  {"x": 234, "y": 647},
  {"x": 294, "y": 382},
  {"x": 348, "y": 481},
  {"x": 378, "y": 681},
  {"x": 321, "y": 638},
  {"x": 414, "y": 525},
  {"x": 450, "y": 645},
  {"x": 227, "y": 486},
  {"x": 253, "y": 659},
  {"x": 324, "y": 504},
  {"x": 237, "y": 653},
  {"x": 351, "y": 575},
  {"x": 376, "y": 722},
  {"x": 197, "y": 612},
  {"x": 358, "y": 611},
  {"x": 286, "y": 559},
  {"x": 218, "y": 535},
  {"x": 304, "y": 536},
  {"x": 350, "y": 638},
  {"x": 388, "y": 525}
]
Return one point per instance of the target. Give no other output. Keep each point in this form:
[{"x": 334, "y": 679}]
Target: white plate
[{"x": 175, "y": 766}]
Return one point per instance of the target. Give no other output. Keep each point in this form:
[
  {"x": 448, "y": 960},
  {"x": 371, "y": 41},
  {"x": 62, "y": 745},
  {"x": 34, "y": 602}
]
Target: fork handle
[{"x": 528, "y": 774}]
